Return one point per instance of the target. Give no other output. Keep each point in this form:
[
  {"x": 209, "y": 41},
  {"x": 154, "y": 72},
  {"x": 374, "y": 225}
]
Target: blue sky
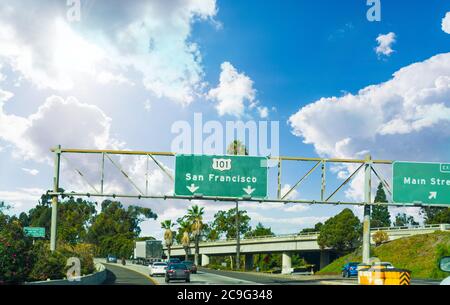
[{"x": 124, "y": 73}]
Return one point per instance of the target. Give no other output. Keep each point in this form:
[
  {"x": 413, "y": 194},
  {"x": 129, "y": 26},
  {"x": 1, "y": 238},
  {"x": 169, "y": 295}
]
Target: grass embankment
[{"x": 419, "y": 253}]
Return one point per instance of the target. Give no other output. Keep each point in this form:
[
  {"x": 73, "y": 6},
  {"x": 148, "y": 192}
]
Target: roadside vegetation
[
  {"x": 418, "y": 253},
  {"x": 82, "y": 233}
]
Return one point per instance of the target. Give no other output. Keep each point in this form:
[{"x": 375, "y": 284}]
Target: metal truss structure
[
  {"x": 152, "y": 157},
  {"x": 366, "y": 165}
]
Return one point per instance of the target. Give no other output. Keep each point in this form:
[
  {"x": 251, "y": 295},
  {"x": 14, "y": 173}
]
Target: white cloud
[
  {"x": 292, "y": 195},
  {"x": 57, "y": 121},
  {"x": 147, "y": 105},
  {"x": 21, "y": 198},
  {"x": 405, "y": 118},
  {"x": 151, "y": 38},
  {"x": 233, "y": 91},
  {"x": 446, "y": 23},
  {"x": 107, "y": 78},
  {"x": 263, "y": 112},
  {"x": 32, "y": 172},
  {"x": 385, "y": 42}
]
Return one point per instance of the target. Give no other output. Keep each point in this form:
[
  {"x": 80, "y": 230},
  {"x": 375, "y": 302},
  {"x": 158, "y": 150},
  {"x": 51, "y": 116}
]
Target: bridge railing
[{"x": 444, "y": 226}]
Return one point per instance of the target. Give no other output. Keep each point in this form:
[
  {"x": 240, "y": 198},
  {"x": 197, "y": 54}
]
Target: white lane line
[{"x": 235, "y": 280}]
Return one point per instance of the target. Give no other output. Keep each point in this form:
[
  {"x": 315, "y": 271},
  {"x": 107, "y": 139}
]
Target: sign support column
[
  {"x": 238, "y": 241},
  {"x": 55, "y": 199},
  {"x": 367, "y": 201}
]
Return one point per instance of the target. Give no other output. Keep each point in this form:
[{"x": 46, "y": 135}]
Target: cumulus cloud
[
  {"x": 68, "y": 122},
  {"x": 446, "y": 23},
  {"x": 405, "y": 118},
  {"x": 151, "y": 38},
  {"x": 233, "y": 91},
  {"x": 385, "y": 42}
]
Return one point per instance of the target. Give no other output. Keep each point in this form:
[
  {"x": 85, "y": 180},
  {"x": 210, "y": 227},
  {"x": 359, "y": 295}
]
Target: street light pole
[
  {"x": 55, "y": 199},
  {"x": 367, "y": 201},
  {"x": 238, "y": 246}
]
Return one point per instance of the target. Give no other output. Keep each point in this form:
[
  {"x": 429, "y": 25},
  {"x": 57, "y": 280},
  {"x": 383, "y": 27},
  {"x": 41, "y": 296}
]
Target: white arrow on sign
[
  {"x": 192, "y": 188},
  {"x": 433, "y": 195},
  {"x": 248, "y": 190}
]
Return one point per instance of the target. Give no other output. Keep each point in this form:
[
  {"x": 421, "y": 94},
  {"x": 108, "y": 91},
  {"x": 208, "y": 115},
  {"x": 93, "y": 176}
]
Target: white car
[
  {"x": 158, "y": 268},
  {"x": 444, "y": 265}
]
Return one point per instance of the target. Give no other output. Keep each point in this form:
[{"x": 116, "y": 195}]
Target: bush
[
  {"x": 48, "y": 265},
  {"x": 380, "y": 237},
  {"x": 15, "y": 258}
]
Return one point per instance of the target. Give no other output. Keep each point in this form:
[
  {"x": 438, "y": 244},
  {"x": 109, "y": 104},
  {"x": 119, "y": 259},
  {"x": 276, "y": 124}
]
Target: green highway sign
[
  {"x": 426, "y": 183},
  {"x": 221, "y": 176},
  {"x": 34, "y": 231}
]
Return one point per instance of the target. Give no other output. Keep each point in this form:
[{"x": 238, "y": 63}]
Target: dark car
[
  {"x": 191, "y": 266},
  {"x": 174, "y": 261},
  {"x": 111, "y": 259},
  {"x": 177, "y": 272},
  {"x": 350, "y": 269}
]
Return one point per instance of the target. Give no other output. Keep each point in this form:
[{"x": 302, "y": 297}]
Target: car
[
  {"x": 191, "y": 266},
  {"x": 157, "y": 268},
  {"x": 350, "y": 269},
  {"x": 444, "y": 265},
  {"x": 111, "y": 259},
  {"x": 177, "y": 271},
  {"x": 174, "y": 261},
  {"x": 382, "y": 265}
]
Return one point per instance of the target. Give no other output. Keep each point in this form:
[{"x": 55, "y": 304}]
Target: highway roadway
[{"x": 138, "y": 275}]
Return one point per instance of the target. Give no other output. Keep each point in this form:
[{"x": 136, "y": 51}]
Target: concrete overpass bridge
[{"x": 289, "y": 244}]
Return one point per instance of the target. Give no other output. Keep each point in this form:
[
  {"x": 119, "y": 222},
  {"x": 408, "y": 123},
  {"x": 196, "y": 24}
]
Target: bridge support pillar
[
  {"x": 205, "y": 260},
  {"x": 286, "y": 263},
  {"x": 324, "y": 258},
  {"x": 248, "y": 261}
]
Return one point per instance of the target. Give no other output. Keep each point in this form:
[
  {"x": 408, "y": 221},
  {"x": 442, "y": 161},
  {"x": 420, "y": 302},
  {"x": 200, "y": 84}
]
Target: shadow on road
[{"x": 110, "y": 278}]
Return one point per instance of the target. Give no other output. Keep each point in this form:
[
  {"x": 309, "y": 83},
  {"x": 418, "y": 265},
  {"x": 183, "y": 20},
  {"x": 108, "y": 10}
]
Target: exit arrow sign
[
  {"x": 221, "y": 176},
  {"x": 425, "y": 183}
]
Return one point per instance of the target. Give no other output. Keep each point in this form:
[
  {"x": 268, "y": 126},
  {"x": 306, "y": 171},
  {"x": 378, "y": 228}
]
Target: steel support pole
[
  {"x": 238, "y": 241},
  {"x": 367, "y": 201},
  {"x": 55, "y": 200}
]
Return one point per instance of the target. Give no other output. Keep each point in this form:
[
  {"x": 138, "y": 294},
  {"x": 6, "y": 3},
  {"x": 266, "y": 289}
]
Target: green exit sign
[
  {"x": 425, "y": 183},
  {"x": 34, "y": 231},
  {"x": 221, "y": 176}
]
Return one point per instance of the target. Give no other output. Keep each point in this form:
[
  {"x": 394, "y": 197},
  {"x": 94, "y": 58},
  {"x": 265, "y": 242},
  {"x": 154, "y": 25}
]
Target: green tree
[
  {"x": 380, "y": 214},
  {"x": 316, "y": 228},
  {"x": 195, "y": 218},
  {"x": 115, "y": 228},
  {"x": 167, "y": 226},
  {"x": 341, "y": 232},
  {"x": 403, "y": 220},
  {"x": 259, "y": 230},
  {"x": 225, "y": 222},
  {"x": 74, "y": 217},
  {"x": 435, "y": 215},
  {"x": 237, "y": 148}
]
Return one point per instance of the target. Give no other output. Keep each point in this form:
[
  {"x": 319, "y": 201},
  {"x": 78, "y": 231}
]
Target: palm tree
[
  {"x": 195, "y": 218},
  {"x": 184, "y": 230},
  {"x": 168, "y": 234},
  {"x": 237, "y": 148}
]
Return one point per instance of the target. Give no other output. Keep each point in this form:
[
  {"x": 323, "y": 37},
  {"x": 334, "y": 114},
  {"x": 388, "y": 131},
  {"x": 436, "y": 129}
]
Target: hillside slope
[{"x": 419, "y": 253}]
